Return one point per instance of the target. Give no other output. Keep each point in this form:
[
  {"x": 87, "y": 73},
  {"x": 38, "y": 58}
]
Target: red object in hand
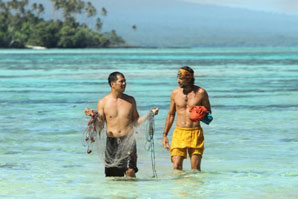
[
  {"x": 86, "y": 138},
  {"x": 89, "y": 151},
  {"x": 197, "y": 113}
]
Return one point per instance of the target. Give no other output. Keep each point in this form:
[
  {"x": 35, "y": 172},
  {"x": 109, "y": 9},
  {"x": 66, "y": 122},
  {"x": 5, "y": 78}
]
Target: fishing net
[
  {"x": 95, "y": 126},
  {"x": 148, "y": 128},
  {"x": 119, "y": 151}
]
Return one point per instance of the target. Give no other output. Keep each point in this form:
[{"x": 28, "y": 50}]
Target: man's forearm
[
  {"x": 98, "y": 121},
  {"x": 169, "y": 123},
  {"x": 143, "y": 118}
]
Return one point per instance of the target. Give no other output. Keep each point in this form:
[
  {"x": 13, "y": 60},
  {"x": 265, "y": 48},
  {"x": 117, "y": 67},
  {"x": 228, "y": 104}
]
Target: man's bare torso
[
  {"x": 119, "y": 114},
  {"x": 195, "y": 97}
]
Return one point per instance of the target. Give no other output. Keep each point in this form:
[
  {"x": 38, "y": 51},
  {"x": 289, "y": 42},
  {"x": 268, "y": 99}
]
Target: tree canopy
[{"x": 21, "y": 26}]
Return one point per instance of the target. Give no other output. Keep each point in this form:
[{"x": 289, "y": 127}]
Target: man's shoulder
[
  {"x": 103, "y": 100},
  {"x": 176, "y": 90},
  {"x": 200, "y": 90},
  {"x": 128, "y": 97}
]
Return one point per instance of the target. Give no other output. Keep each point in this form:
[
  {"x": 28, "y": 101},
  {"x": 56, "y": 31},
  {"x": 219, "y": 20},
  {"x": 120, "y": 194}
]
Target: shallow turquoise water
[{"x": 251, "y": 146}]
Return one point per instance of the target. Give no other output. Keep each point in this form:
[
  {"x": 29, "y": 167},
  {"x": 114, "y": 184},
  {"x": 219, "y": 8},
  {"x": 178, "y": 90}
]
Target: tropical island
[{"x": 22, "y": 26}]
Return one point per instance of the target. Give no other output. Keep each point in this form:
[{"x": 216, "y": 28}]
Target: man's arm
[
  {"x": 205, "y": 101},
  {"x": 139, "y": 120},
  {"x": 169, "y": 122},
  {"x": 100, "y": 118}
]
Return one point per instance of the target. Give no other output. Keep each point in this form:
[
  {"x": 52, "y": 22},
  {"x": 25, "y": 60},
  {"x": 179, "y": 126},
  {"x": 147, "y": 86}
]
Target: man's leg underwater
[
  {"x": 177, "y": 162},
  {"x": 177, "y": 157},
  {"x": 130, "y": 173},
  {"x": 195, "y": 162}
]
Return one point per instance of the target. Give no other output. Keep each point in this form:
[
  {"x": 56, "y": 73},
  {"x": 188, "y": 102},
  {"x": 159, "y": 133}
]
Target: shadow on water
[
  {"x": 113, "y": 197},
  {"x": 93, "y": 198},
  {"x": 173, "y": 175},
  {"x": 126, "y": 179}
]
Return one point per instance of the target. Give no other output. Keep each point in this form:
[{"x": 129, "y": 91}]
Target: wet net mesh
[{"x": 149, "y": 127}]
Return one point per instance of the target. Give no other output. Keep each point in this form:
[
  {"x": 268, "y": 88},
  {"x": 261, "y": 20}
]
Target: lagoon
[{"x": 250, "y": 147}]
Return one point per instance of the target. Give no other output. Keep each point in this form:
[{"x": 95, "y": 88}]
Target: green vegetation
[{"x": 21, "y": 26}]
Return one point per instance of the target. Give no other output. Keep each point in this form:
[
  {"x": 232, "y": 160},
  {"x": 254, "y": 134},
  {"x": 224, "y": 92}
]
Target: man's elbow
[
  {"x": 136, "y": 122},
  {"x": 171, "y": 115}
]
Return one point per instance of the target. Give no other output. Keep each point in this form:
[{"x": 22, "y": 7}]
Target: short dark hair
[
  {"x": 189, "y": 69},
  {"x": 113, "y": 77}
]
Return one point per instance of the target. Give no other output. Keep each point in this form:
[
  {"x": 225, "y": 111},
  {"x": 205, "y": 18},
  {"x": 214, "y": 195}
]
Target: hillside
[{"x": 173, "y": 23}]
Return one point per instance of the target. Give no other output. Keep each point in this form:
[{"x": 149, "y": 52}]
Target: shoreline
[
  {"x": 150, "y": 47},
  {"x": 35, "y": 47}
]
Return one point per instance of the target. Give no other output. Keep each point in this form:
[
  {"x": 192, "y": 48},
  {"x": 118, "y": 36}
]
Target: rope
[{"x": 150, "y": 142}]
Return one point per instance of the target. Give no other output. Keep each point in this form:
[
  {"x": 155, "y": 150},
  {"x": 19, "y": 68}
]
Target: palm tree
[
  {"x": 34, "y": 6},
  {"x": 25, "y": 2},
  {"x": 68, "y": 8},
  {"x": 104, "y": 13},
  {"x": 40, "y": 9},
  {"x": 80, "y": 7},
  {"x": 13, "y": 4},
  {"x": 134, "y": 28},
  {"x": 3, "y": 6},
  {"x": 57, "y": 5},
  {"x": 90, "y": 10},
  {"x": 4, "y": 11},
  {"x": 71, "y": 7},
  {"x": 98, "y": 24},
  {"x": 22, "y": 5}
]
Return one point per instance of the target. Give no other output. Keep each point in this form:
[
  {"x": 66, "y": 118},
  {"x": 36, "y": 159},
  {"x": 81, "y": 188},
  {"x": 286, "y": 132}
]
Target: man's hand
[
  {"x": 165, "y": 142},
  {"x": 155, "y": 111},
  {"x": 90, "y": 112}
]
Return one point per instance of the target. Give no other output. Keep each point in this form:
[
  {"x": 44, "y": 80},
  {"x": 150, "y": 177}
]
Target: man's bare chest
[
  {"x": 121, "y": 109},
  {"x": 188, "y": 101}
]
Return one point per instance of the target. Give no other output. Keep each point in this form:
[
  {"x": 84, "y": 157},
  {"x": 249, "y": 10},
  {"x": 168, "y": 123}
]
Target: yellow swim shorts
[{"x": 191, "y": 139}]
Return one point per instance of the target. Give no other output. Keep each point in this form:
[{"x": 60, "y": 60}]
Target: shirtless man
[
  {"x": 119, "y": 112},
  {"x": 188, "y": 135}
]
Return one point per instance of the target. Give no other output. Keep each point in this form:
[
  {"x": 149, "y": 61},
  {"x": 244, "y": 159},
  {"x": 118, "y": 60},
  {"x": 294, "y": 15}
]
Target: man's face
[
  {"x": 183, "y": 82},
  {"x": 119, "y": 84}
]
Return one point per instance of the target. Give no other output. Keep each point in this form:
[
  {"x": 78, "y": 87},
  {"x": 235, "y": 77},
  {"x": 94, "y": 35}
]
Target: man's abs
[
  {"x": 183, "y": 121},
  {"x": 118, "y": 131}
]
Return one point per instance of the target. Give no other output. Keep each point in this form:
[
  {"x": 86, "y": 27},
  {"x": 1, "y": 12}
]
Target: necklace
[
  {"x": 186, "y": 92},
  {"x": 186, "y": 98}
]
